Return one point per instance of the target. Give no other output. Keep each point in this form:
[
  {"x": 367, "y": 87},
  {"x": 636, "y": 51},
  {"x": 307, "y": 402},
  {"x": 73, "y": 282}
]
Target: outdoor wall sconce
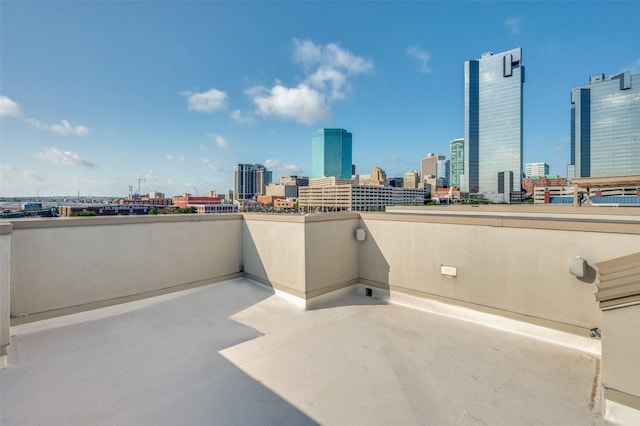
[
  {"x": 577, "y": 266},
  {"x": 360, "y": 234}
]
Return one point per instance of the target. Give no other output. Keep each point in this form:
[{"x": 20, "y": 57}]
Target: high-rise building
[
  {"x": 493, "y": 125},
  {"x": 378, "y": 177},
  {"x": 429, "y": 165},
  {"x": 457, "y": 162},
  {"x": 536, "y": 169},
  {"x": 411, "y": 179},
  {"x": 605, "y": 127},
  {"x": 250, "y": 180},
  {"x": 331, "y": 154},
  {"x": 442, "y": 172}
]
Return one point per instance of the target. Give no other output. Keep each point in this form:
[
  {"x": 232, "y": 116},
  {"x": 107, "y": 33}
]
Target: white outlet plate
[{"x": 448, "y": 270}]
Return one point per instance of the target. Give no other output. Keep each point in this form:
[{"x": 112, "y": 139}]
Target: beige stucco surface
[
  {"x": 5, "y": 275},
  {"x": 331, "y": 253},
  {"x": 274, "y": 251},
  {"x": 302, "y": 255},
  {"x": 621, "y": 349},
  {"x": 60, "y": 266},
  {"x": 522, "y": 270}
]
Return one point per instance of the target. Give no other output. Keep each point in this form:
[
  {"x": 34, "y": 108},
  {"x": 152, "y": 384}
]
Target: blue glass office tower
[
  {"x": 605, "y": 127},
  {"x": 493, "y": 125},
  {"x": 442, "y": 171},
  {"x": 331, "y": 153}
]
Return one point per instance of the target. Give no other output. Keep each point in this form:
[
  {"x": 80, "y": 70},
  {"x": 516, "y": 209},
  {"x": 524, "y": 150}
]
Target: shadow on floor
[{"x": 156, "y": 365}]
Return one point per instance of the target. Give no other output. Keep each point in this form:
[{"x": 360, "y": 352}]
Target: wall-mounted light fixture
[
  {"x": 361, "y": 235},
  {"x": 577, "y": 266}
]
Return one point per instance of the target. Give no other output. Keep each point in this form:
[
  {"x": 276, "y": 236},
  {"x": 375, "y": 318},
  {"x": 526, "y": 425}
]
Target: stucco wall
[
  {"x": 331, "y": 253},
  {"x": 302, "y": 255},
  {"x": 5, "y": 275},
  {"x": 273, "y": 251},
  {"x": 519, "y": 266},
  {"x": 621, "y": 349},
  {"x": 67, "y": 262}
]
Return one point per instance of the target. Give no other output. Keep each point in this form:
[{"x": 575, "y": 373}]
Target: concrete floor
[{"x": 234, "y": 354}]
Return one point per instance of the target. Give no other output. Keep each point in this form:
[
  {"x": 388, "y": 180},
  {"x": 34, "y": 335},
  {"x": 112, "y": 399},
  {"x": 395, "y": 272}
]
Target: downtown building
[
  {"x": 333, "y": 186},
  {"x": 250, "y": 180},
  {"x": 493, "y": 126},
  {"x": 331, "y": 153},
  {"x": 457, "y": 162},
  {"x": 332, "y": 194},
  {"x": 536, "y": 169},
  {"x": 605, "y": 127}
]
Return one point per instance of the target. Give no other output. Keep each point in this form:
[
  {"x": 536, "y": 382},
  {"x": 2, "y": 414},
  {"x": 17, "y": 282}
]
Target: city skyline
[{"x": 96, "y": 96}]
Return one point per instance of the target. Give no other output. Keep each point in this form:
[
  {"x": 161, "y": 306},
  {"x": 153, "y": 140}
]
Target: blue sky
[{"x": 96, "y": 95}]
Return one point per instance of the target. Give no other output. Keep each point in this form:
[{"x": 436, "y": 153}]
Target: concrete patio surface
[{"x": 235, "y": 354}]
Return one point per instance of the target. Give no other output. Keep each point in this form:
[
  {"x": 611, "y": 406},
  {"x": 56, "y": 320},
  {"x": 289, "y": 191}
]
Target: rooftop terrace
[
  {"x": 263, "y": 319},
  {"x": 233, "y": 353}
]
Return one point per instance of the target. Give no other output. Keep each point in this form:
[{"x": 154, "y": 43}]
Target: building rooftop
[{"x": 236, "y": 353}]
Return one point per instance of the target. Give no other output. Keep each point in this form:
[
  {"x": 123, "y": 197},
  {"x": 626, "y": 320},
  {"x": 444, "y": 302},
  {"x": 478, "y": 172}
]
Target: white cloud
[
  {"x": 329, "y": 66},
  {"x": 328, "y": 69},
  {"x": 32, "y": 175},
  {"x": 67, "y": 158},
  {"x": 422, "y": 56},
  {"x": 220, "y": 142},
  {"x": 213, "y": 166},
  {"x": 242, "y": 118},
  {"x": 7, "y": 172},
  {"x": 11, "y": 175},
  {"x": 63, "y": 129},
  {"x": 394, "y": 158},
  {"x": 302, "y": 104},
  {"x": 209, "y": 101},
  {"x": 174, "y": 159},
  {"x": 513, "y": 24},
  {"x": 331, "y": 55},
  {"x": 9, "y": 108},
  {"x": 282, "y": 168}
]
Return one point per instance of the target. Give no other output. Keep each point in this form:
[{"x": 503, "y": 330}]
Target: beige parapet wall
[
  {"x": 621, "y": 358},
  {"x": 5, "y": 278},
  {"x": 509, "y": 261},
  {"x": 303, "y": 255},
  {"x": 59, "y": 264}
]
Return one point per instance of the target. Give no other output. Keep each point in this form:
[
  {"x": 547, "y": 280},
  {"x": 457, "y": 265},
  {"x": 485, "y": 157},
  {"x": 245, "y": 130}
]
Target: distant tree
[
  {"x": 187, "y": 210},
  {"x": 153, "y": 210},
  {"x": 84, "y": 213}
]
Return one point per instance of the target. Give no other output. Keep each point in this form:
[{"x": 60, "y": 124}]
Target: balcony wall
[
  {"x": 303, "y": 256},
  {"x": 89, "y": 262},
  {"x": 512, "y": 265},
  {"x": 515, "y": 266}
]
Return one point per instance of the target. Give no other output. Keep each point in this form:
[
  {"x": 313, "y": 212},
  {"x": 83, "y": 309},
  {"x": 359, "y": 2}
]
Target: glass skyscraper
[
  {"x": 605, "y": 127},
  {"x": 250, "y": 180},
  {"x": 493, "y": 125},
  {"x": 442, "y": 171},
  {"x": 331, "y": 153},
  {"x": 457, "y": 162}
]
